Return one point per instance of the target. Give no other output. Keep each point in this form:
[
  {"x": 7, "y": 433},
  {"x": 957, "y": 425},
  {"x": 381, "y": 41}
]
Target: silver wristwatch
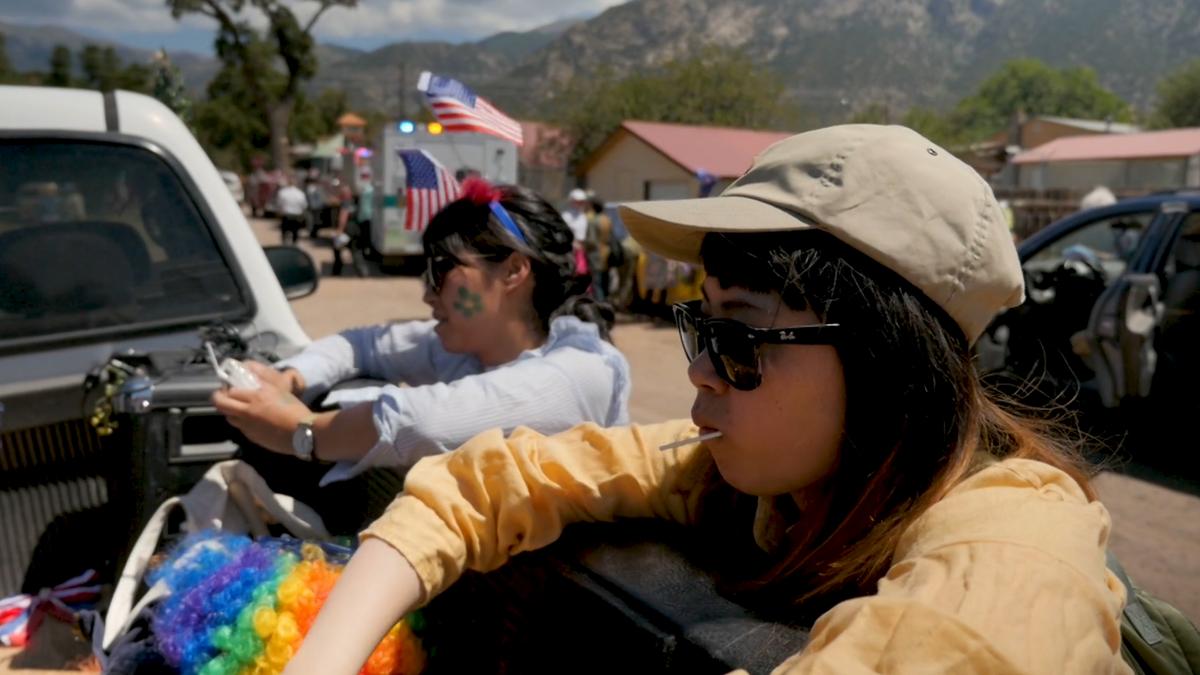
[{"x": 304, "y": 442}]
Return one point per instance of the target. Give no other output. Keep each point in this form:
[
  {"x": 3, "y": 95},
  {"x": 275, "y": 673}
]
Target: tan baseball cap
[{"x": 887, "y": 191}]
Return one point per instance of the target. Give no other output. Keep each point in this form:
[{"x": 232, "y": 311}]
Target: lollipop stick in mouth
[{"x": 688, "y": 441}]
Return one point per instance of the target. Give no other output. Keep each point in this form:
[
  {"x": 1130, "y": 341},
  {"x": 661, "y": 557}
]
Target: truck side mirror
[{"x": 295, "y": 270}]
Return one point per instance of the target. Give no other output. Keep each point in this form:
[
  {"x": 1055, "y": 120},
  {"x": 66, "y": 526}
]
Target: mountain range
[{"x": 833, "y": 55}]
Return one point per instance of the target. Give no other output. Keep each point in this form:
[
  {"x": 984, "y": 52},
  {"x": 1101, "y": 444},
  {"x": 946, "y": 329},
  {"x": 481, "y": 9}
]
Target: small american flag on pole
[
  {"x": 429, "y": 188},
  {"x": 460, "y": 109}
]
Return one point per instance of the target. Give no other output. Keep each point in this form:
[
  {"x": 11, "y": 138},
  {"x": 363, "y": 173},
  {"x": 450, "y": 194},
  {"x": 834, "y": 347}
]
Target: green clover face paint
[{"x": 468, "y": 303}]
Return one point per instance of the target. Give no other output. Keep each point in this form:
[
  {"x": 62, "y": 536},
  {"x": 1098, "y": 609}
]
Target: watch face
[{"x": 302, "y": 441}]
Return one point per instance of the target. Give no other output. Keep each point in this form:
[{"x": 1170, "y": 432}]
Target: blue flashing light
[{"x": 406, "y": 127}]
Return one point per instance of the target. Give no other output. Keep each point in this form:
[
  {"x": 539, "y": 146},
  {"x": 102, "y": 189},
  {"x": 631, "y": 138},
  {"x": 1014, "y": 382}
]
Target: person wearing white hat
[
  {"x": 576, "y": 214},
  {"x": 886, "y": 492}
]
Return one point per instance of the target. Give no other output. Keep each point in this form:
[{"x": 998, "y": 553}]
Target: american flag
[
  {"x": 20, "y": 615},
  {"x": 429, "y": 188},
  {"x": 460, "y": 109}
]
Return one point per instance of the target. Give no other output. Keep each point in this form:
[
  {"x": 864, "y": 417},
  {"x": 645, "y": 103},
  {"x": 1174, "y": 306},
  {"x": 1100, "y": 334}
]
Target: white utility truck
[{"x": 493, "y": 158}]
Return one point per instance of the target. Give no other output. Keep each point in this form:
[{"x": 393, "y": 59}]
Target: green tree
[
  {"x": 936, "y": 127},
  {"x": 330, "y": 105},
  {"x": 102, "y": 70},
  {"x": 233, "y": 129},
  {"x": 100, "y": 67},
  {"x": 1178, "y": 103},
  {"x": 1033, "y": 87},
  {"x": 136, "y": 77},
  {"x": 60, "y": 67},
  {"x": 254, "y": 53},
  {"x": 229, "y": 123},
  {"x": 872, "y": 113},
  {"x": 6, "y": 72},
  {"x": 715, "y": 86},
  {"x": 315, "y": 118}
]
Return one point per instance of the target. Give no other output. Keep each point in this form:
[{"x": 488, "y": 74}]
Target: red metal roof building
[
  {"x": 1152, "y": 160},
  {"x": 655, "y": 160}
]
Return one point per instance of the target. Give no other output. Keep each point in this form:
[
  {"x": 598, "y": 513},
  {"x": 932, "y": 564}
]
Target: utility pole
[{"x": 403, "y": 92}]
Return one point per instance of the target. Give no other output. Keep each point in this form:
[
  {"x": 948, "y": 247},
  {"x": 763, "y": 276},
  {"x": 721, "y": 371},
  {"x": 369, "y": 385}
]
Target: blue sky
[{"x": 148, "y": 23}]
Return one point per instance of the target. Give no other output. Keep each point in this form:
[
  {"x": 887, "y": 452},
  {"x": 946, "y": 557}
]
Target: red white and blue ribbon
[{"x": 20, "y": 615}]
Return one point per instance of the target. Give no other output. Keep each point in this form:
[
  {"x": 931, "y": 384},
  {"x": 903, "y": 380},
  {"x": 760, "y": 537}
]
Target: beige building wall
[
  {"x": 632, "y": 170},
  {"x": 1037, "y": 132}
]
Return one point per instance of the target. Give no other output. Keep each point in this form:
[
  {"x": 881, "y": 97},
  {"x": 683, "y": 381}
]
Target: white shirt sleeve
[
  {"x": 408, "y": 353},
  {"x": 550, "y": 394}
]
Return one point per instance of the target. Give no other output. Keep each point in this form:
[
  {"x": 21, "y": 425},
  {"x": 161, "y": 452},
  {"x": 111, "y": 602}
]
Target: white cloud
[
  {"x": 410, "y": 19},
  {"x": 374, "y": 21},
  {"x": 130, "y": 16}
]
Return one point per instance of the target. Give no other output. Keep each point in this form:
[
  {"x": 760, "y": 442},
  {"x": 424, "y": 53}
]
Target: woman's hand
[
  {"x": 289, "y": 380},
  {"x": 378, "y": 587},
  {"x": 267, "y": 416}
]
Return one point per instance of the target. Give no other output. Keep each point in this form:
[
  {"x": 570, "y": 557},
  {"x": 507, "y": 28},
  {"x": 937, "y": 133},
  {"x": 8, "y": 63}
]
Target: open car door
[{"x": 1118, "y": 343}]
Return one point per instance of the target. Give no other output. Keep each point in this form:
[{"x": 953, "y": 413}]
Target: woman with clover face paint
[
  {"x": 848, "y": 469},
  {"x": 511, "y": 343},
  {"x": 492, "y": 285}
]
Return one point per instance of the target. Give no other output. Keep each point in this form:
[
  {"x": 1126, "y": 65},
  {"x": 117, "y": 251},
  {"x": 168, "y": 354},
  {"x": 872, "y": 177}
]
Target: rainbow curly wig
[{"x": 242, "y": 607}]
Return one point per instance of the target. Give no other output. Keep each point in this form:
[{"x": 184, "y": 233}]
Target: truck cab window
[{"x": 96, "y": 236}]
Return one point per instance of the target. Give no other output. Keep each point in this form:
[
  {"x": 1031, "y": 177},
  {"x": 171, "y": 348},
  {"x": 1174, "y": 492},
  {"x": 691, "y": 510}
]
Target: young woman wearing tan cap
[{"x": 849, "y": 272}]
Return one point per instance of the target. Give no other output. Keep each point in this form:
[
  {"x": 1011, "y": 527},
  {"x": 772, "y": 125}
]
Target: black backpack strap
[{"x": 1134, "y": 611}]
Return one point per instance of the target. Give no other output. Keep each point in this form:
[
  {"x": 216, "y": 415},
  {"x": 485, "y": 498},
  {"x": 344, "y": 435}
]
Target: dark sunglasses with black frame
[
  {"x": 439, "y": 265},
  {"x": 734, "y": 347}
]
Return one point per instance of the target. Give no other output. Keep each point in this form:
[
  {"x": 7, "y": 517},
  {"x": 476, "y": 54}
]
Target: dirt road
[{"x": 1156, "y": 531}]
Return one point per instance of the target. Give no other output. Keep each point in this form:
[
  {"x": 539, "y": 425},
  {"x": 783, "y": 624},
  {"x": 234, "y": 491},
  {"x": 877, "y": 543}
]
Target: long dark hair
[
  {"x": 918, "y": 420},
  {"x": 468, "y": 225}
]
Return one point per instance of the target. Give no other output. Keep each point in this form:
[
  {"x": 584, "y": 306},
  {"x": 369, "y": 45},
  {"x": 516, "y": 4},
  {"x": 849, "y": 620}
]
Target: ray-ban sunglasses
[{"x": 734, "y": 347}]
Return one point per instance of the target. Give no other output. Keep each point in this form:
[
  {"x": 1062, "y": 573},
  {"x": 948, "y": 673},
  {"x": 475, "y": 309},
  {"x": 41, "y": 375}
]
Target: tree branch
[
  {"x": 325, "y": 5},
  {"x": 224, "y": 19},
  {"x": 231, "y": 28}
]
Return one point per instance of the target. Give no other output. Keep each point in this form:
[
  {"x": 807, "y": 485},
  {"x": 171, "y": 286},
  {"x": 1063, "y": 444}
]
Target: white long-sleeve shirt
[
  {"x": 577, "y": 221},
  {"x": 574, "y": 377}
]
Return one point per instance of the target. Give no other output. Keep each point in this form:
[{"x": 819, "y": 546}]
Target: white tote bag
[{"x": 231, "y": 497}]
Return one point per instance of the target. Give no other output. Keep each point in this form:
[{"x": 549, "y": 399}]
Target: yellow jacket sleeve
[
  {"x": 476, "y": 507},
  {"x": 1005, "y": 575}
]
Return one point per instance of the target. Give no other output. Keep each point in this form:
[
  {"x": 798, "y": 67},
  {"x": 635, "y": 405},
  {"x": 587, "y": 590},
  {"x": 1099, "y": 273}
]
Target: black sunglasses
[
  {"x": 734, "y": 347},
  {"x": 437, "y": 266}
]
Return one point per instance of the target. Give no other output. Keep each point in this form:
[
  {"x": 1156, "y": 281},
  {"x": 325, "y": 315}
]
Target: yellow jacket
[{"x": 1006, "y": 574}]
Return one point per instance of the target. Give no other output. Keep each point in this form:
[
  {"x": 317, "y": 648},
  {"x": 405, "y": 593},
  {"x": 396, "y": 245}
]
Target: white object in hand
[
  {"x": 688, "y": 441},
  {"x": 237, "y": 375},
  {"x": 231, "y": 371}
]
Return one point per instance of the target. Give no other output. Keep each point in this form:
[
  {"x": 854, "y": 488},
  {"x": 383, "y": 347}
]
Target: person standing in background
[
  {"x": 361, "y": 240},
  {"x": 624, "y": 259},
  {"x": 341, "y": 235},
  {"x": 576, "y": 214},
  {"x": 316, "y": 200},
  {"x": 597, "y": 246},
  {"x": 576, "y": 217},
  {"x": 293, "y": 205}
]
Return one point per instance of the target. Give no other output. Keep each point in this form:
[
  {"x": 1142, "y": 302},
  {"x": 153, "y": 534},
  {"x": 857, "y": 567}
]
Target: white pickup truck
[{"x": 117, "y": 235}]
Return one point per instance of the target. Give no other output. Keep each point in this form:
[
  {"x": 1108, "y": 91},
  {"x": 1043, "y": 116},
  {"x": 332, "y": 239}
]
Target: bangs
[{"x": 765, "y": 262}]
